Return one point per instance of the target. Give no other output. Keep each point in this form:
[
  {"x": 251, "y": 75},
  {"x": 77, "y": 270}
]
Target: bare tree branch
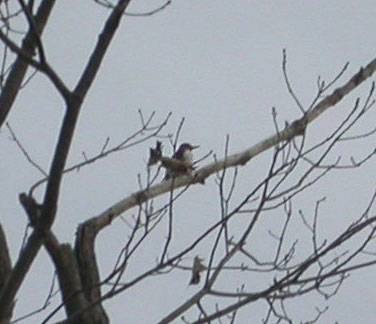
[
  {"x": 296, "y": 128},
  {"x": 17, "y": 74},
  {"x": 5, "y": 270},
  {"x": 49, "y": 206}
]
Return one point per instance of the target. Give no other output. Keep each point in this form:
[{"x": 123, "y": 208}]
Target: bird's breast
[{"x": 188, "y": 157}]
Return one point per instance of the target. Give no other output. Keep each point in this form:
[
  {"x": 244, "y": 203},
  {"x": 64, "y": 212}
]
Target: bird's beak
[{"x": 195, "y": 146}]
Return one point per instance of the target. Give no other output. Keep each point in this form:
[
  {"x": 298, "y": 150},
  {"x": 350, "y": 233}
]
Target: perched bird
[
  {"x": 181, "y": 162},
  {"x": 196, "y": 269}
]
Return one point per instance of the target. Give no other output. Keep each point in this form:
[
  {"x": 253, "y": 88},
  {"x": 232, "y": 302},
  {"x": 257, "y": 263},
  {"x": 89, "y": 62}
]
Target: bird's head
[{"x": 187, "y": 146}]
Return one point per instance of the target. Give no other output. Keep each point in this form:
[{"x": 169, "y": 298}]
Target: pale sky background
[{"x": 218, "y": 64}]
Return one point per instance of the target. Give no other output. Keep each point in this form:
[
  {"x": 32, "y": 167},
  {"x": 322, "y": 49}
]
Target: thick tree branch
[
  {"x": 42, "y": 66},
  {"x": 18, "y": 272},
  {"x": 67, "y": 271},
  {"x": 297, "y": 128},
  {"x": 49, "y": 206},
  {"x": 100, "y": 49},
  {"x": 63, "y": 258},
  {"x": 17, "y": 74},
  {"x": 5, "y": 269},
  {"x": 89, "y": 273},
  {"x": 33, "y": 27}
]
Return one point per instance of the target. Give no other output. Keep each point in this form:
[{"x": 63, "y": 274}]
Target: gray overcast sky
[{"x": 218, "y": 64}]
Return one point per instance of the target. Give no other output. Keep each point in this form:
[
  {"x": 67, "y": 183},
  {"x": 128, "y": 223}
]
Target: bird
[
  {"x": 196, "y": 269},
  {"x": 181, "y": 161}
]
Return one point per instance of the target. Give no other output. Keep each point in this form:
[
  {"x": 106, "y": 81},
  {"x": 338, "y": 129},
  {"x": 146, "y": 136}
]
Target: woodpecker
[{"x": 184, "y": 156}]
